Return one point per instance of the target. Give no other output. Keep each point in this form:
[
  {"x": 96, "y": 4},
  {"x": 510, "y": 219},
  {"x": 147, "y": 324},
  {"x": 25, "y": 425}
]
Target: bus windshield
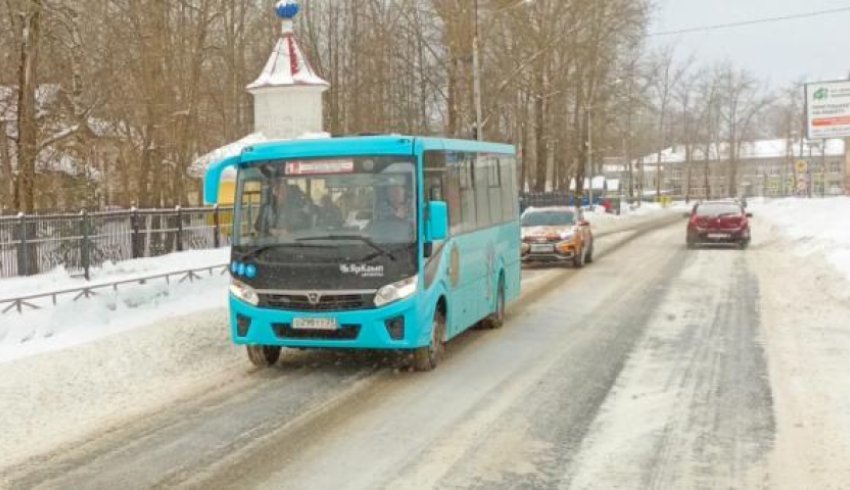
[{"x": 327, "y": 203}]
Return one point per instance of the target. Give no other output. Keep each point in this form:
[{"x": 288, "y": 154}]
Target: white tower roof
[
  {"x": 287, "y": 97},
  {"x": 287, "y": 66}
]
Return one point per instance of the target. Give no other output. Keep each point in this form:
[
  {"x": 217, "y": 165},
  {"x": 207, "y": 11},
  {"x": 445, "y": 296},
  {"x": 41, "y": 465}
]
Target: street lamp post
[
  {"x": 476, "y": 66},
  {"x": 589, "y": 164},
  {"x": 476, "y": 76}
]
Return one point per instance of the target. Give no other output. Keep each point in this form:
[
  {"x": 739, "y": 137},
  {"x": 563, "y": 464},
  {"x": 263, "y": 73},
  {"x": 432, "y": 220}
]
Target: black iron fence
[{"x": 30, "y": 244}]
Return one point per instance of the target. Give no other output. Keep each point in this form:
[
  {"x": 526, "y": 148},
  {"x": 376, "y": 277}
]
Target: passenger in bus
[
  {"x": 328, "y": 215},
  {"x": 394, "y": 221},
  {"x": 396, "y": 204},
  {"x": 286, "y": 211}
]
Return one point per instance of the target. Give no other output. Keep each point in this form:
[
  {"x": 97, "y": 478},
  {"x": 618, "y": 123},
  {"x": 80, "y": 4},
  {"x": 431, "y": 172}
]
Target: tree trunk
[
  {"x": 7, "y": 176},
  {"x": 27, "y": 125}
]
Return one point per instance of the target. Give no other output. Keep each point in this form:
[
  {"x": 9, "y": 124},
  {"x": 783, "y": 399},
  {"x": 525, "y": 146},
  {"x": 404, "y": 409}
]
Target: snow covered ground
[
  {"x": 816, "y": 226},
  {"x": 121, "y": 354},
  {"x": 75, "y": 322}
]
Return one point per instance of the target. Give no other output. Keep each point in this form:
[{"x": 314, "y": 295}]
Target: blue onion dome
[{"x": 286, "y": 9}]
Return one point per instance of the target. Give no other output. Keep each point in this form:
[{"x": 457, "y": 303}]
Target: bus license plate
[
  {"x": 314, "y": 324},
  {"x": 542, "y": 248}
]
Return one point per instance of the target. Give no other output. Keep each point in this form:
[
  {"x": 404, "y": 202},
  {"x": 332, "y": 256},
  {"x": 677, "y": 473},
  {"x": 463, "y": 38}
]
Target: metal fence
[
  {"x": 555, "y": 198},
  {"x": 30, "y": 244}
]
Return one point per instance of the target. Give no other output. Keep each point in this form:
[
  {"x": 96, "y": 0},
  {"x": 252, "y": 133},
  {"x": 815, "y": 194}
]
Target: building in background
[{"x": 763, "y": 168}]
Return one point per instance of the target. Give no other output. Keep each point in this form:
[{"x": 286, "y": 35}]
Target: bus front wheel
[
  {"x": 263, "y": 355},
  {"x": 426, "y": 358}
]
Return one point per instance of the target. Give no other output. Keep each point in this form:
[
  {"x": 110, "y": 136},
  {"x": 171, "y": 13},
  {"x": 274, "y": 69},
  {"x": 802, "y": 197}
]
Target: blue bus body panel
[
  {"x": 329, "y": 147},
  {"x": 372, "y": 330}
]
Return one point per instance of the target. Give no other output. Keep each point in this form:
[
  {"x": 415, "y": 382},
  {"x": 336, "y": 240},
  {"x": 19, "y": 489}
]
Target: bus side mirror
[
  {"x": 212, "y": 178},
  {"x": 438, "y": 221}
]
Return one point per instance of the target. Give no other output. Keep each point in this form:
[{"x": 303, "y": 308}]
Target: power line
[{"x": 751, "y": 22}]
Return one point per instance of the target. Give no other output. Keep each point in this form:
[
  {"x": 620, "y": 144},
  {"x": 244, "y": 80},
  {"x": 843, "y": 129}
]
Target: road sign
[{"x": 828, "y": 109}]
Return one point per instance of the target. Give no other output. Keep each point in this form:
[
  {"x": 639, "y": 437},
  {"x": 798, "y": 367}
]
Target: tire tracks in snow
[{"x": 693, "y": 408}]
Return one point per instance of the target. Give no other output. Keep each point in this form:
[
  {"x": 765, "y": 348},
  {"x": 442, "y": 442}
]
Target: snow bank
[
  {"x": 817, "y": 226},
  {"x": 60, "y": 278},
  {"x": 77, "y": 322}
]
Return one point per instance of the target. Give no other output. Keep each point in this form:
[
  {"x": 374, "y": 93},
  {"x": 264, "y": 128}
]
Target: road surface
[{"x": 646, "y": 369}]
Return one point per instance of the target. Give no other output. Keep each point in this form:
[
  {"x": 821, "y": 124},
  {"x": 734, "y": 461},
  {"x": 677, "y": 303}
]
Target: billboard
[{"x": 828, "y": 109}]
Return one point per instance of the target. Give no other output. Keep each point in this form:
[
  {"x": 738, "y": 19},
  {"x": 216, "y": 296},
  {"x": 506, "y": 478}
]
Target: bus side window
[
  {"x": 466, "y": 166},
  {"x": 494, "y": 188},
  {"x": 510, "y": 198},
  {"x": 453, "y": 199},
  {"x": 482, "y": 191},
  {"x": 435, "y": 170}
]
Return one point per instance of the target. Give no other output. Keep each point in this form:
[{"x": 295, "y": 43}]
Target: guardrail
[{"x": 26, "y": 302}]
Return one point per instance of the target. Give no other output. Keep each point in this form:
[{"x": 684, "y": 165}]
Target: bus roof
[
  {"x": 365, "y": 145},
  {"x": 391, "y": 144}
]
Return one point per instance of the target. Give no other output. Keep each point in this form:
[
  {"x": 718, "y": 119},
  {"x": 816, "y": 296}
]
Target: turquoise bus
[{"x": 373, "y": 242}]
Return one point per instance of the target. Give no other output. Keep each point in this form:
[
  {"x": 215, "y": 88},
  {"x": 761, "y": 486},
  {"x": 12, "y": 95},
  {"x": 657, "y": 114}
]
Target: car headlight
[
  {"x": 396, "y": 291},
  {"x": 525, "y": 248},
  {"x": 567, "y": 236},
  {"x": 244, "y": 292}
]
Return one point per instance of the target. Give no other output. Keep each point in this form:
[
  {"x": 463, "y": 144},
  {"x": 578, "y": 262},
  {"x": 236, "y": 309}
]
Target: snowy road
[{"x": 655, "y": 367}]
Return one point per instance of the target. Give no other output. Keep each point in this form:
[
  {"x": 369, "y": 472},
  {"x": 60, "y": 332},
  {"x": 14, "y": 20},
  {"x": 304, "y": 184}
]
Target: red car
[{"x": 719, "y": 223}]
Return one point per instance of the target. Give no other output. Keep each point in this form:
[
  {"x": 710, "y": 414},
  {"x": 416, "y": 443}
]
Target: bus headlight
[
  {"x": 244, "y": 292},
  {"x": 396, "y": 291}
]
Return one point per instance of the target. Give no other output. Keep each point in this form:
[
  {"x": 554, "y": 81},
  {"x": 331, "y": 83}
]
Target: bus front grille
[
  {"x": 323, "y": 302},
  {"x": 344, "y": 332}
]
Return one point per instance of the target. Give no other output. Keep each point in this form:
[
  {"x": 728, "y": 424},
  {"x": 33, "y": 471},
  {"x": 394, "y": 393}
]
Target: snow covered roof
[
  {"x": 758, "y": 149},
  {"x": 46, "y": 96},
  {"x": 199, "y": 166},
  {"x": 287, "y": 66},
  {"x": 52, "y": 158}
]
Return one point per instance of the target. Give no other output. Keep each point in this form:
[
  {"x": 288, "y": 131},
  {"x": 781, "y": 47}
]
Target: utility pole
[
  {"x": 589, "y": 166},
  {"x": 476, "y": 74},
  {"x": 476, "y": 64}
]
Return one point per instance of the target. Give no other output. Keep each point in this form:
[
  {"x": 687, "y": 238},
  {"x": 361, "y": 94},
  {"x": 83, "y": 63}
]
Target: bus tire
[
  {"x": 426, "y": 358},
  {"x": 497, "y": 318},
  {"x": 263, "y": 356}
]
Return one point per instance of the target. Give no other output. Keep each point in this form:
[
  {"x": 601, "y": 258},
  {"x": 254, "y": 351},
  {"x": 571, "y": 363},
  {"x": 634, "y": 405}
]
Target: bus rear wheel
[
  {"x": 426, "y": 358},
  {"x": 263, "y": 356},
  {"x": 497, "y": 318}
]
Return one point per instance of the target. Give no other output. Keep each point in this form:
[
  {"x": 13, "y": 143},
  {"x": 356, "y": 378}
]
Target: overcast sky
[{"x": 816, "y": 48}]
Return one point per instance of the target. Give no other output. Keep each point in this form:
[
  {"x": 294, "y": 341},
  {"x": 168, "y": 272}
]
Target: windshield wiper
[
  {"x": 255, "y": 252},
  {"x": 368, "y": 241}
]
